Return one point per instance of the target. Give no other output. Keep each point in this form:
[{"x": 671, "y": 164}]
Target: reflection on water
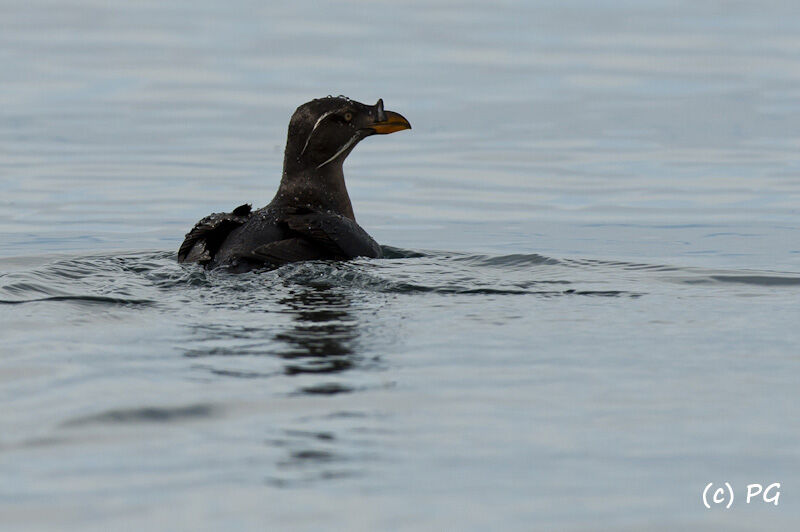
[
  {"x": 311, "y": 328},
  {"x": 323, "y": 333},
  {"x": 310, "y": 456}
]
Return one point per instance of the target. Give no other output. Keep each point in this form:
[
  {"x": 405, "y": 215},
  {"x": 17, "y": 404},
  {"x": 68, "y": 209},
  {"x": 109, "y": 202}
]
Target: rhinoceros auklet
[{"x": 311, "y": 216}]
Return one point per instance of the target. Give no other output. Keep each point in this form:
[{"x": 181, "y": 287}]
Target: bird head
[{"x": 324, "y": 131}]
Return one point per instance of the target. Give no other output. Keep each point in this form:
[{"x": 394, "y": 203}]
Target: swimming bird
[{"x": 310, "y": 217}]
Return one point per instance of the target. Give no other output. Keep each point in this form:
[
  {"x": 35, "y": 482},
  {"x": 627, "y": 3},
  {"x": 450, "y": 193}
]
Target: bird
[{"x": 311, "y": 216}]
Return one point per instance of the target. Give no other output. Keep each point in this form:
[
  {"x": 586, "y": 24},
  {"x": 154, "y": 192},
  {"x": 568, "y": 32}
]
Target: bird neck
[{"x": 316, "y": 188}]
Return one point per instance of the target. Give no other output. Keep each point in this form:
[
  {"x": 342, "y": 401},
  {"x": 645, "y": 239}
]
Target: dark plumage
[{"x": 311, "y": 216}]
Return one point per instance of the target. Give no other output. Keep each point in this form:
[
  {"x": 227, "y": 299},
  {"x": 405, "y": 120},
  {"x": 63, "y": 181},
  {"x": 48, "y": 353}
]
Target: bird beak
[{"x": 387, "y": 121}]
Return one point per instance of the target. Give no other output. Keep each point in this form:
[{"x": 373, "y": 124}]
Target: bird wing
[
  {"x": 337, "y": 234},
  {"x": 288, "y": 250},
  {"x": 205, "y": 238}
]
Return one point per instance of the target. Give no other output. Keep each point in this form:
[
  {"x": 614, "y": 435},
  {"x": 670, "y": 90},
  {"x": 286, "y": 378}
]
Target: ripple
[
  {"x": 83, "y": 299},
  {"x": 145, "y": 415},
  {"x": 391, "y": 252},
  {"x": 154, "y": 279},
  {"x": 758, "y": 280},
  {"x": 506, "y": 261},
  {"x": 329, "y": 388}
]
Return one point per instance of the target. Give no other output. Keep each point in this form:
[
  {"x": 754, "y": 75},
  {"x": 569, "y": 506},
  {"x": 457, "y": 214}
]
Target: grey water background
[{"x": 589, "y": 308}]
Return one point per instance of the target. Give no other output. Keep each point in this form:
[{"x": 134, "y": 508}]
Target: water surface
[{"x": 588, "y": 305}]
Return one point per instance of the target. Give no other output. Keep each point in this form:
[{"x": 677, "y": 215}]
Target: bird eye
[{"x": 348, "y": 116}]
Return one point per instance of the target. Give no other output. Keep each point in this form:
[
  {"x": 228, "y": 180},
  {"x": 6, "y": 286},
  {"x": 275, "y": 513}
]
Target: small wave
[
  {"x": 617, "y": 265},
  {"x": 503, "y": 261},
  {"x": 757, "y": 280},
  {"x": 154, "y": 279},
  {"x": 391, "y": 252},
  {"x": 83, "y": 299},
  {"x": 479, "y": 260},
  {"x": 145, "y": 415},
  {"x": 129, "y": 279},
  {"x": 406, "y": 288}
]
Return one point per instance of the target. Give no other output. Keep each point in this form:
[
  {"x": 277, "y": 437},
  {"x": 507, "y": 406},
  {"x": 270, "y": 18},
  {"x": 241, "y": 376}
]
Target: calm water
[{"x": 589, "y": 305}]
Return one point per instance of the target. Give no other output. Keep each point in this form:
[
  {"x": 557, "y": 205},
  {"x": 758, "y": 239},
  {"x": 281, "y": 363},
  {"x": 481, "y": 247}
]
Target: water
[{"x": 588, "y": 309}]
